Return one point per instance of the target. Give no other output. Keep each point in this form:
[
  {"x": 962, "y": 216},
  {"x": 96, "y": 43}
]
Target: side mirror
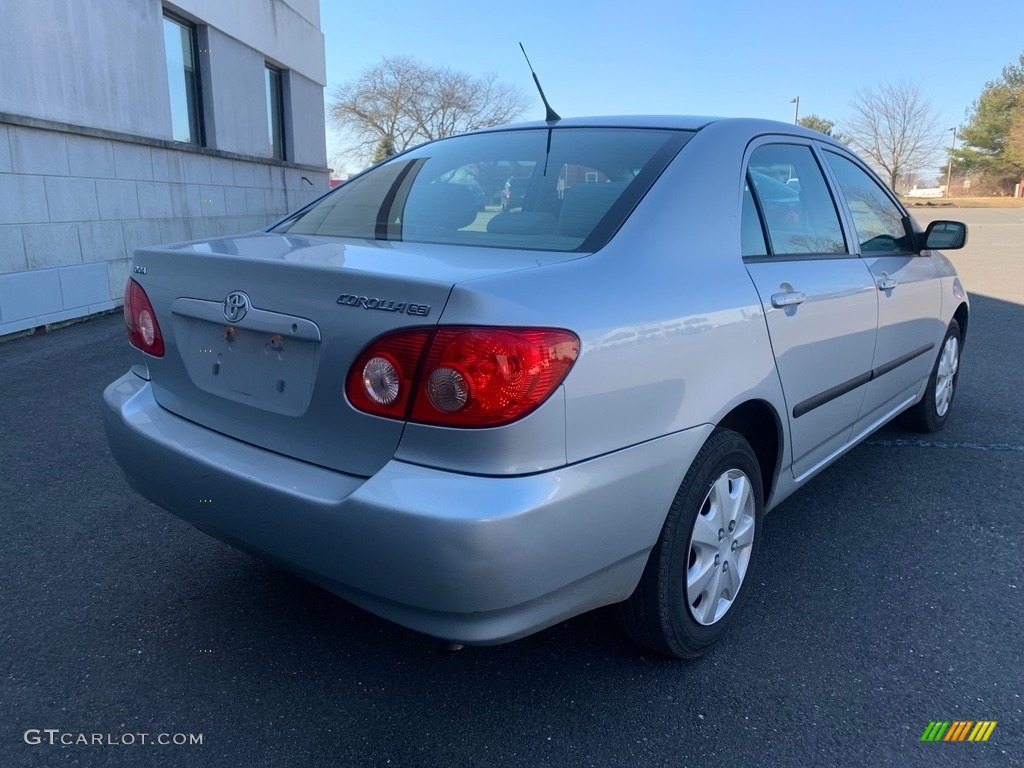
[{"x": 944, "y": 236}]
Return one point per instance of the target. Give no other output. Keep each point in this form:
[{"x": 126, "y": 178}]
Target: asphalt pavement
[{"x": 889, "y": 594}]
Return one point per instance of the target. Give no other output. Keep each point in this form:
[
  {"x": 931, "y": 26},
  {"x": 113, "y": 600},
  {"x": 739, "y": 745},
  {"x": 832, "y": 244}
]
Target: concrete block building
[{"x": 132, "y": 122}]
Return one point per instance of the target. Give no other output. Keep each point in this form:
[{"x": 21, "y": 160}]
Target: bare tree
[
  {"x": 895, "y": 127},
  {"x": 372, "y": 108},
  {"x": 460, "y": 103},
  {"x": 401, "y": 102}
]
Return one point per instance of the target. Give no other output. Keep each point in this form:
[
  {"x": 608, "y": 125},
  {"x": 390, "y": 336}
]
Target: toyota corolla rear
[{"x": 307, "y": 393}]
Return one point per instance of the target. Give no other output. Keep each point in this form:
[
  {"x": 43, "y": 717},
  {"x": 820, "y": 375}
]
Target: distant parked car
[
  {"x": 479, "y": 424},
  {"x": 926, "y": 192}
]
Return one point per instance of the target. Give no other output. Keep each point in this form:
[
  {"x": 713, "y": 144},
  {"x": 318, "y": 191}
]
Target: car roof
[
  {"x": 673, "y": 122},
  {"x": 678, "y": 122}
]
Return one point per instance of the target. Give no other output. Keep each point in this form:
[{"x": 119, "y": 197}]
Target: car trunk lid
[{"x": 261, "y": 331}]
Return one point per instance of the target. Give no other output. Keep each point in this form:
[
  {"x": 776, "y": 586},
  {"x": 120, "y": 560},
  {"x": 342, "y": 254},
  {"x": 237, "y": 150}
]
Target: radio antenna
[{"x": 552, "y": 116}]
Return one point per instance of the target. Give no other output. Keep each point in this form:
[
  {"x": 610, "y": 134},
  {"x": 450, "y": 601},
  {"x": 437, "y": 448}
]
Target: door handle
[
  {"x": 788, "y": 299},
  {"x": 886, "y": 284}
]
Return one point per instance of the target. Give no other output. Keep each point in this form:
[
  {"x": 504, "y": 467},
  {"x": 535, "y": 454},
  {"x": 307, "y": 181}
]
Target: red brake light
[
  {"x": 461, "y": 376},
  {"x": 476, "y": 377},
  {"x": 140, "y": 320}
]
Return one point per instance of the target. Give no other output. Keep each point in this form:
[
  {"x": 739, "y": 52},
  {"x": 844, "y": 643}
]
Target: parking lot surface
[{"x": 889, "y": 594}]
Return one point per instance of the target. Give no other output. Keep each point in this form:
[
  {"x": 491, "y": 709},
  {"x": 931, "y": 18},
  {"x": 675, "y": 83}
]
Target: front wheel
[
  {"x": 930, "y": 414},
  {"x": 695, "y": 577}
]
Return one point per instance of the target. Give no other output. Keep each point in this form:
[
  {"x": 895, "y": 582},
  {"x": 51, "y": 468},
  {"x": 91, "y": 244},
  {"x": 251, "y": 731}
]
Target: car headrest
[
  {"x": 585, "y": 204},
  {"x": 448, "y": 206}
]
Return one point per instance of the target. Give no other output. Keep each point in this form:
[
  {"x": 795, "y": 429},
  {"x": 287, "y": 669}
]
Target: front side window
[
  {"x": 563, "y": 189},
  {"x": 880, "y": 224},
  {"x": 183, "y": 80},
  {"x": 275, "y": 111},
  {"x": 798, "y": 211}
]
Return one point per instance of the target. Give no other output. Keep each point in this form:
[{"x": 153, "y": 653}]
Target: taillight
[
  {"x": 381, "y": 380},
  {"x": 140, "y": 320},
  {"x": 461, "y": 376}
]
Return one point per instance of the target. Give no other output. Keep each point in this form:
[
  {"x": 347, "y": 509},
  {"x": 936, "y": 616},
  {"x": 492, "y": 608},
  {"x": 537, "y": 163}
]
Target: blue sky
[{"x": 719, "y": 57}]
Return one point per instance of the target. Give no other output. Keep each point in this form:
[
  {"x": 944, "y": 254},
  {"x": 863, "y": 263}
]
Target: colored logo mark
[{"x": 958, "y": 730}]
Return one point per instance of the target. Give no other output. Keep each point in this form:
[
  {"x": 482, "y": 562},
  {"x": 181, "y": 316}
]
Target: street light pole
[
  {"x": 796, "y": 109},
  {"x": 949, "y": 170}
]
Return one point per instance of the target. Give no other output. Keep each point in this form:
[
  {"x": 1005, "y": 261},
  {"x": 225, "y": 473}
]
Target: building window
[
  {"x": 275, "y": 111},
  {"x": 183, "y": 80}
]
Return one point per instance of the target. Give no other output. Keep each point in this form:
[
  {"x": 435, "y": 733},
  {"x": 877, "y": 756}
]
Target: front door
[{"x": 907, "y": 286}]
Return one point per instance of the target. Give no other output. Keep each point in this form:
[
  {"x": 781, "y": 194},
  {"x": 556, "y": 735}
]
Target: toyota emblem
[{"x": 235, "y": 306}]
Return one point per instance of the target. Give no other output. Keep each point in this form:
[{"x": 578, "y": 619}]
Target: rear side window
[
  {"x": 563, "y": 189},
  {"x": 797, "y": 209},
  {"x": 881, "y": 226}
]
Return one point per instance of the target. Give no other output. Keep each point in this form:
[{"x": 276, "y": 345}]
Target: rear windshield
[{"x": 563, "y": 189}]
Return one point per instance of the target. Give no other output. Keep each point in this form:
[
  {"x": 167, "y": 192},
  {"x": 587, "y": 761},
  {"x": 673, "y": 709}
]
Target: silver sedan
[{"x": 478, "y": 423}]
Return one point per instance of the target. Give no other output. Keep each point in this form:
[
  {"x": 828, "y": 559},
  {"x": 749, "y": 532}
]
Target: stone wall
[{"x": 76, "y": 202}]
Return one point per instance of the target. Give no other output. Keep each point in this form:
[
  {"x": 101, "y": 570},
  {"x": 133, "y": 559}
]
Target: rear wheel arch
[
  {"x": 695, "y": 579},
  {"x": 961, "y": 319},
  {"x": 759, "y": 424}
]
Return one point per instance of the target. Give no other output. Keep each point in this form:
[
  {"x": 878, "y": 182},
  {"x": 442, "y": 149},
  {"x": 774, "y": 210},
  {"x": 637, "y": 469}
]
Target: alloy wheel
[
  {"x": 720, "y": 543},
  {"x": 946, "y": 375}
]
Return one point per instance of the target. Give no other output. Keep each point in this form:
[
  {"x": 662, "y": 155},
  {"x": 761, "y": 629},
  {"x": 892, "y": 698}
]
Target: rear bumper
[{"x": 467, "y": 558}]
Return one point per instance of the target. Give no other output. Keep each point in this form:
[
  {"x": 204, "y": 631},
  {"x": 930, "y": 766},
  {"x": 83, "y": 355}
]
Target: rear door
[
  {"x": 818, "y": 297},
  {"x": 906, "y": 284}
]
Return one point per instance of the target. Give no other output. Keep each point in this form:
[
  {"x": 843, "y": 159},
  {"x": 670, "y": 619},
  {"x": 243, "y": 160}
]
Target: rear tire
[
  {"x": 930, "y": 414},
  {"x": 698, "y": 572}
]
